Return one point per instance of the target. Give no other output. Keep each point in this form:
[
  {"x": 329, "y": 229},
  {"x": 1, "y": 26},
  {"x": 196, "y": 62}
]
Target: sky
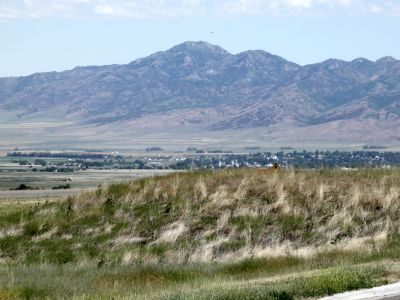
[{"x": 56, "y": 35}]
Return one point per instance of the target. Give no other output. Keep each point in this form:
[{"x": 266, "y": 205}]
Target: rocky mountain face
[{"x": 203, "y": 84}]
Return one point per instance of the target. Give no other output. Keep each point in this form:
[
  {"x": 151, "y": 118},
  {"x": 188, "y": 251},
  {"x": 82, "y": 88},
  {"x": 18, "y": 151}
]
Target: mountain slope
[{"x": 203, "y": 84}]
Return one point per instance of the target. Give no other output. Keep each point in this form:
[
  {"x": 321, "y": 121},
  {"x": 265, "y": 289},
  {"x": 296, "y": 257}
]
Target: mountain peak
[
  {"x": 386, "y": 59},
  {"x": 198, "y": 46},
  {"x": 334, "y": 61},
  {"x": 361, "y": 60}
]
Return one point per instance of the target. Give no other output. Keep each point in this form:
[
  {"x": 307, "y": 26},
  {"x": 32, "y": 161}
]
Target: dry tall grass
[{"x": 221, "y": 216}]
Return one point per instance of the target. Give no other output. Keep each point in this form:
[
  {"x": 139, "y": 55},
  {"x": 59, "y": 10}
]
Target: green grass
[
  {"x": 328, "y": 283},
  {"x": 196, "y": 281}
]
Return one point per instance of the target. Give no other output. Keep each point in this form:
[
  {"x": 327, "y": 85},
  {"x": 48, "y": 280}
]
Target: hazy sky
[{"x": 47, "y": 35}]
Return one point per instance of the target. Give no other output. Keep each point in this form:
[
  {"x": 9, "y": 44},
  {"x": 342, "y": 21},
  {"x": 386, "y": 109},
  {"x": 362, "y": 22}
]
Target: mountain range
[{"x": 204, "y": 87}]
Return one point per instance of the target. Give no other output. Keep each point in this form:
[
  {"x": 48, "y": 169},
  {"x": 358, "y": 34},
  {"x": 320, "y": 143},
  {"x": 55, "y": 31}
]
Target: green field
[{"x": 283, "y": 278}]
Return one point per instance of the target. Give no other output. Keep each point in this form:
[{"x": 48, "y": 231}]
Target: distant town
[{"x": 200, "y": 159}]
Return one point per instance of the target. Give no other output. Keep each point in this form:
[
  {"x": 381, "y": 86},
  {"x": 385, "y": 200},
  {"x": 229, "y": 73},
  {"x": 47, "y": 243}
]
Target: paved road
[{"x": 387, "y": 292}]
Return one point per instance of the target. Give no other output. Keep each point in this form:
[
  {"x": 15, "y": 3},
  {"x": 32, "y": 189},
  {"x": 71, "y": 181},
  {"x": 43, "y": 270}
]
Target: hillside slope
[
  {"x": 210, "y": 216},
  {"x": 231, "y": 234}
]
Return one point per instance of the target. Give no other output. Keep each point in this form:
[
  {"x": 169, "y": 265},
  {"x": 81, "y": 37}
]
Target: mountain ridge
[
  {"x": 387, "y": 58},
  {"x": 218, "y": 90}
]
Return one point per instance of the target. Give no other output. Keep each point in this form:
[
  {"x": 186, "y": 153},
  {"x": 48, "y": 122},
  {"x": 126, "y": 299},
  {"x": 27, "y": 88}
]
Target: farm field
[
  {"x": 38, "y": 194},
  {"x": 41, "y": 183},
  {"x": 228, "y": 234},
  {"x": 77, "y": 180}
]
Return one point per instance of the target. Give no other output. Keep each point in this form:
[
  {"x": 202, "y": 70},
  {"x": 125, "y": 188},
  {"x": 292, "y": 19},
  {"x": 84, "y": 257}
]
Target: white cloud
[
  {"x": 386, "y": 7},
  {"x": 148, "y": 8},
  {"x": 309, "y": 7},
  {"x": 139, "y": 9},
  {"x": 300, "y": 3}
]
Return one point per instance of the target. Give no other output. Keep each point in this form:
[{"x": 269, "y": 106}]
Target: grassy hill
[{"x": 227, "y": 234}]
